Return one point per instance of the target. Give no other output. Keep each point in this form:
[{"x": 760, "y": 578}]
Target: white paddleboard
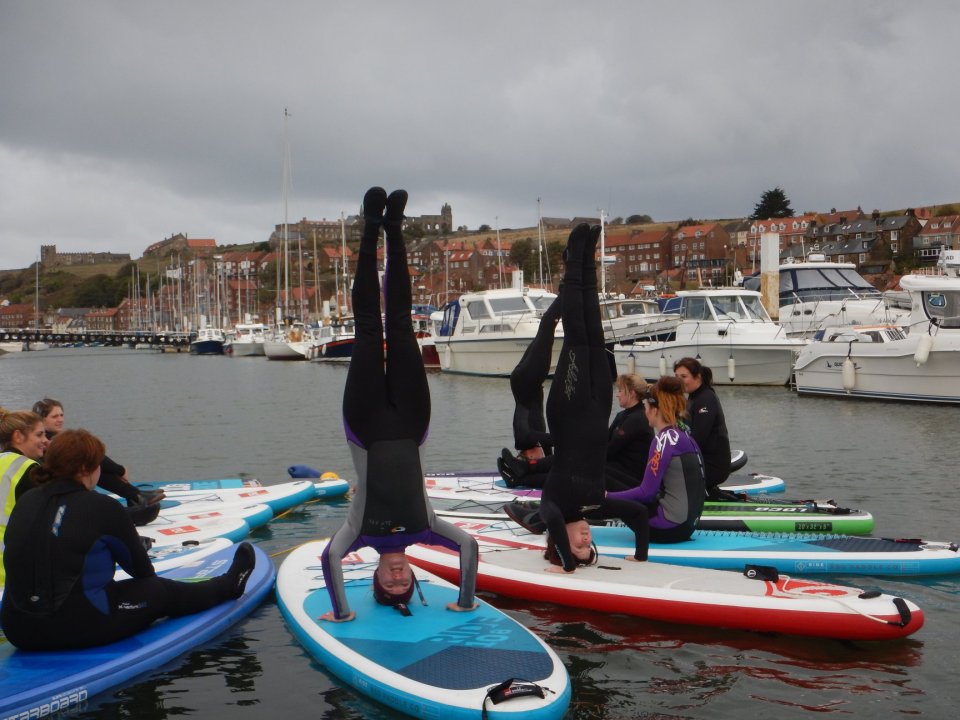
[{"x": 687, "y": 595}]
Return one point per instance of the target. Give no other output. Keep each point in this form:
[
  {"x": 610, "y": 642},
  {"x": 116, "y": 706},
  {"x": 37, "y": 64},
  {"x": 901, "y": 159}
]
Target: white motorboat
[
  {"x": 486, "y": 332},
  {"x": 919, "y": 362},
  {"x": 635, "y": 318},
  {"x": 817, "y": 294},
  {"x": 728, "y": 330},
  {"x": 246, "y": 340},
  {"x": 209, "y": 341}
]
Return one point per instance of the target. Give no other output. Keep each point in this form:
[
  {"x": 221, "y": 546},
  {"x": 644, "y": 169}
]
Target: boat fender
[
  {"x": 663, "y": 364},
  {"x": 924, "y": 346},
  {"x": 849, "y": 373},
  {"x": 761, "y": 572},
  {"x": 510, "y": 689},
  {"x": 731, "y": 368}
]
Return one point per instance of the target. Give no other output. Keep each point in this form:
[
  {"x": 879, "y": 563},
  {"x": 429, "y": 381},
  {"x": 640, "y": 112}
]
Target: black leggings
[
  {"x": 133, "y": 605},
  {"x": 526, "y": 383},
  {"x": 391, "y": 405}
]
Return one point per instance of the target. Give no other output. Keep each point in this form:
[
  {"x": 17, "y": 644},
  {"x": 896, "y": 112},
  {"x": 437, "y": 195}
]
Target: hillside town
[{"x": 302, "y": 271}]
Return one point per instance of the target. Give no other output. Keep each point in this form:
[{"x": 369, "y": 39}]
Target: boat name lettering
[
  {"x": 485, "y": 632},
  {"x": 784, "y": 509},
  {"x": 72, "y": 699}
]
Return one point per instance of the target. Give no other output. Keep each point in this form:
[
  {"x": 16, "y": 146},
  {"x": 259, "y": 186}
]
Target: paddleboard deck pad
[
  {"x": 792, "y": 553},
  {"x": 41, "y": 684},
  {"x": 687, "y": 595},
  {"x": 434, "y": 663}
]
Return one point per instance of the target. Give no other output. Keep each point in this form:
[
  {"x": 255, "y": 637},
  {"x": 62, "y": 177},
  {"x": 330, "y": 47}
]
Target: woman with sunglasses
[
  {"x": 386, "y": 413},
  {"x": 578, "y": 408},
  {"x": 673, "y": 487}
]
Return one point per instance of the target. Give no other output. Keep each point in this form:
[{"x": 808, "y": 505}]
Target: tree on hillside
[
  {"x": 773, "y": 204},
  {"x": 946, "y": 210},
  {"x": 639, "y": 220},
  {"x": 522, "y": 254}
]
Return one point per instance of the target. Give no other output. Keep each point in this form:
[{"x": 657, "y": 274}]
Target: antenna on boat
[{"x": 499, "y": 256}]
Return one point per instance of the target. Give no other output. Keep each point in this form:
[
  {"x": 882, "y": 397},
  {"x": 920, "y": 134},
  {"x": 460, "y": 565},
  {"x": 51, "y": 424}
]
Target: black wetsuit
[
  {"x": 62, "y": 547},
  {"x": 386, "y": 414},
  {"x": 526, "y": 384},
  {"x": 709, "y": 428},
  {"x": 578, "y": 408},
  {"x": 628, "y": 448}
]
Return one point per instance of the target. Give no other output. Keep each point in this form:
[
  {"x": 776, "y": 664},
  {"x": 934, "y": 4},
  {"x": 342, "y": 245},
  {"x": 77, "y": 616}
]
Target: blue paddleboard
[
  {"x": 434, "y": 663},
  {"x": 38, "y": 684}
]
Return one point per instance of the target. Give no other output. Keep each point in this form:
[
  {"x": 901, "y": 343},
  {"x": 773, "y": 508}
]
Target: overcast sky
[{"x": 122, "y": 122}]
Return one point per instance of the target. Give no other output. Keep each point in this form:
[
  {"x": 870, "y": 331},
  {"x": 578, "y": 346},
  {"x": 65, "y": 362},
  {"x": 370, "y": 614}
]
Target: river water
[{"x": 170, "y": 416}]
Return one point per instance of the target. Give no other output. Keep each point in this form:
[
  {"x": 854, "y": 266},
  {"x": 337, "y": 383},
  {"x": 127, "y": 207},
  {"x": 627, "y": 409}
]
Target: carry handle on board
[{"x": 510, "y": 689}]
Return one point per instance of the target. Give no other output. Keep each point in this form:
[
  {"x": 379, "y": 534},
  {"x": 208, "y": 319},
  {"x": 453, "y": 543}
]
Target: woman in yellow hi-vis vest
[{"x": 23, "y": 442}]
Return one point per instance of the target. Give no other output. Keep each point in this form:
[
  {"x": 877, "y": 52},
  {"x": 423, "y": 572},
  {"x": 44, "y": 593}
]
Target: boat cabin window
[
  {"x": 696, "y": 308},
  {"x": 541, "y": 302},
  {"x": 507, "y": 306},
  {"x": 943, "y": 308},
  {"x": 477, "y": 309},
  {"x": 635, "y": 308},
  {"x": 754, "y": 308},
  {"x": 726, "y": 307}
]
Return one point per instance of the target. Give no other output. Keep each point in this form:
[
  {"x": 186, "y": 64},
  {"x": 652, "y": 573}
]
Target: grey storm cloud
[{"x": 121, "y": 123}]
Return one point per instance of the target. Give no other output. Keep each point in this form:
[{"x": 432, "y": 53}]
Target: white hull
[
  {"x": 246, "y": 349},
  {"x": 284, "y": 350},
  {"x": 752, "y": 364},
  {"x": 496, "y": 357},
  {"x": 11, "y": 347},
  {"x": 882, "y": 370}
]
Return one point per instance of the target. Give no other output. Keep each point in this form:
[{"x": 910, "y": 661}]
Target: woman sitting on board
[
  {"x": 23, "y": 443},
  {"x": 113, "y": 475},
  {"x": 63, "y": 544},
  {"x": 578, "y": 407},
  {"x": 707, "y": 423},
  {"x": 673, "y": 485},
  {"x": 386, "y": 413},
  {"x": 628, "y": 444}
]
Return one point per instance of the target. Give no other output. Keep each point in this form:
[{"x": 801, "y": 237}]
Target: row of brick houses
[{"x": 444, "y": 266}]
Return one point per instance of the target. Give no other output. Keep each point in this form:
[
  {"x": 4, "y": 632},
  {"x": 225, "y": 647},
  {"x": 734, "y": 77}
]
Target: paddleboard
[
  {"x": 748, "y": 516},
  {"x": 325, "y": 487},
  {"x": 803, "y": 554},
  {"x": 279, "y": 497},
  {"x": 686, "y": 595},
  {"x": 254, "y": 515},
  {"x": 433, "y": 664},
  {"x": 174, "y": 531},
  {"x": 40, "y": 684},
  {"x": 483, "y": 486}
]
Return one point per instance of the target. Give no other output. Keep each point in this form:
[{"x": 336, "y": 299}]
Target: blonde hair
[
  {"x": 22, "y": 421},
  {"x": 631, "y": 381}
]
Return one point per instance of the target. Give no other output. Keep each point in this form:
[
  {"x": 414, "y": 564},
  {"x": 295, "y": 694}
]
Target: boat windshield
[
  {"x": 541, "y": 302},
  {"x": 813, "y": 284},
  {"x": 507, "y": 306},
  {"x": 738, "y": 307}
]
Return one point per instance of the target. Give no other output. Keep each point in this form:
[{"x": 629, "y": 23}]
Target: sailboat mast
[
  {"x": 499, "y": 256},
  {"x": 286, "y": 191},
  {"x": 539, "y": 243}
]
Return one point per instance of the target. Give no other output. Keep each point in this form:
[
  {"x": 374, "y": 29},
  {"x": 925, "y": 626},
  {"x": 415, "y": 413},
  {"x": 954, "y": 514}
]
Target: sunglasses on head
[{"x": 649, "y": 398}]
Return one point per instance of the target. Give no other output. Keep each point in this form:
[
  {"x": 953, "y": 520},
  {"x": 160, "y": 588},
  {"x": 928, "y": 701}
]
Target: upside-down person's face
[
  {"x": 394, "y": 573},
  {"x": 581, "y": 541}
]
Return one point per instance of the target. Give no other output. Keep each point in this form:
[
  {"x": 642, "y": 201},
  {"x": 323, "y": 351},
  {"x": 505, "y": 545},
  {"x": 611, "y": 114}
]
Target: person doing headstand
[{"x": 386, "y": 412}]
